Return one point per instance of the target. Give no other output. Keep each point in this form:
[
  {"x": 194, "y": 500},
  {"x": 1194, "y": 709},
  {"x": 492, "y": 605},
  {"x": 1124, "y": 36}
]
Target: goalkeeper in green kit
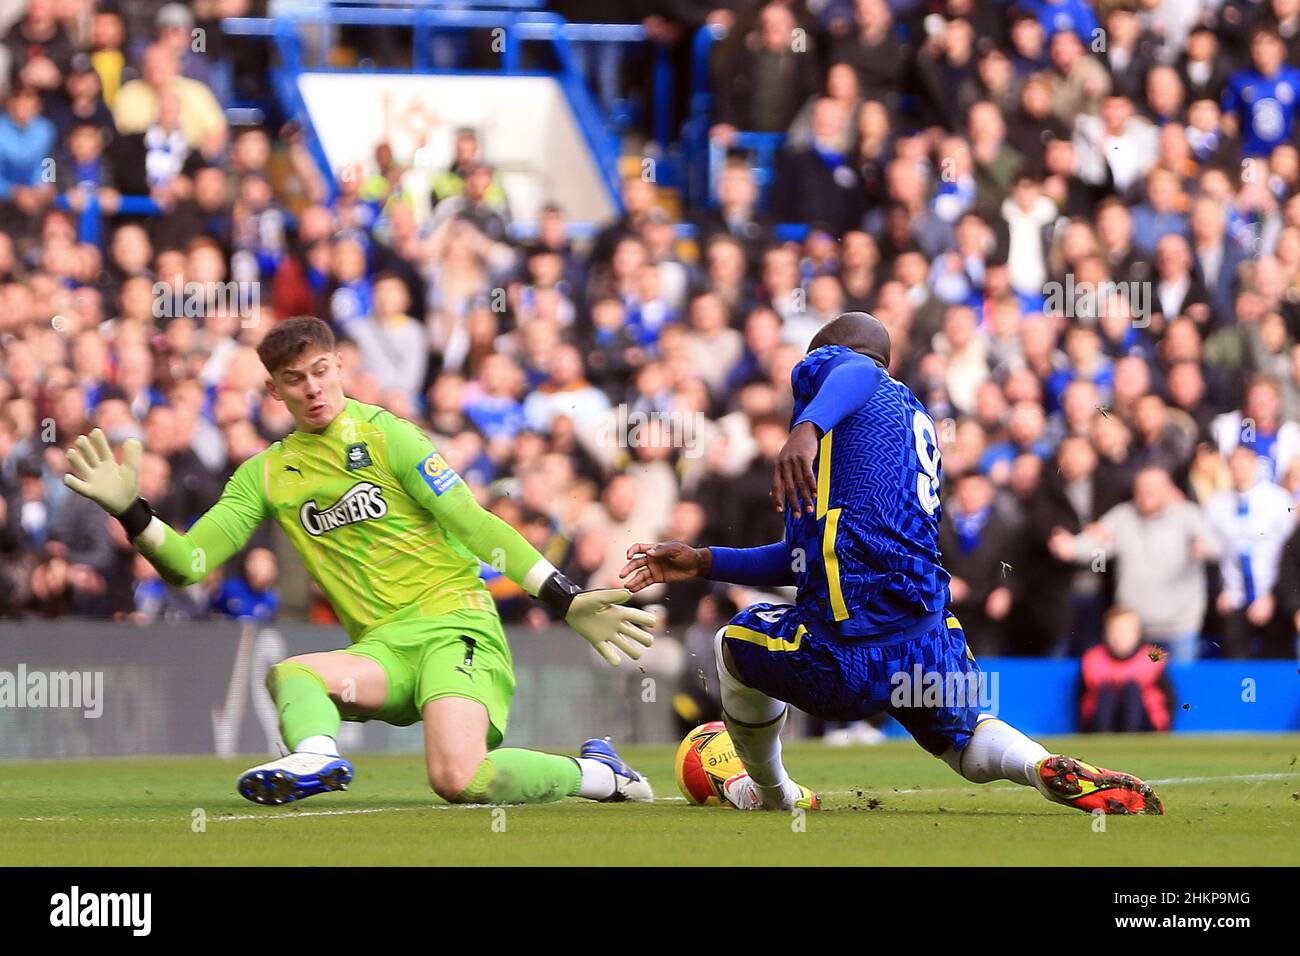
[{"x": 394, "y": 538}]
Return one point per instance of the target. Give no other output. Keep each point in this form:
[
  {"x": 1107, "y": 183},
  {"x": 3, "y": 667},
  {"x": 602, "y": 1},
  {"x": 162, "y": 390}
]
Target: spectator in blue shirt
[
  {"x": 27, "y": 142},
  {"x": 1028, "y": 43},
  {"x": 1261, "y": 102},
  {"x": 252, "y": 597},
  {"x": 1058, "y": 15},
  {"x": 497, "y": 411},
  {"x": 1086, "y": 363},
  {"x": 85, "y": 171},
  {"x": 1026, "y": 434},
  {"x": 352, "y": 297},
  {"x": 1161, "y": 214}
]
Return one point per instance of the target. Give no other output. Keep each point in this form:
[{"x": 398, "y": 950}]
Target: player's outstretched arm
[
  {"x": 668, "y": 561},
  {"x": 663, "y": 563},
  {"x": 599, "y": 616},
  {"x": 181, "y": 559}
]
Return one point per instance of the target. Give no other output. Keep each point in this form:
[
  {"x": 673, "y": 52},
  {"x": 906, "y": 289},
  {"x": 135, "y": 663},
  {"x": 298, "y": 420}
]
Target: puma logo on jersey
[{"x": 361, "y": 502}]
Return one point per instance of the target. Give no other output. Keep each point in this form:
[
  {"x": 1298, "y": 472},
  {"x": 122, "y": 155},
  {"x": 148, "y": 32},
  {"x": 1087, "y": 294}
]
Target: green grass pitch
[{"x": 1230, "y": 800}]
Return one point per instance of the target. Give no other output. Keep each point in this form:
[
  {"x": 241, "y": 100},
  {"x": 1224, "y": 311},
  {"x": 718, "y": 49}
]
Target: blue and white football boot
[
  {"x": 294, "y": 777},
  {"x": 628, "y": 784}
]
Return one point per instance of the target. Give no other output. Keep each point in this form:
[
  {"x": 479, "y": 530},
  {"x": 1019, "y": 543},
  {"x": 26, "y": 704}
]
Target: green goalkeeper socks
[
  {"x": 303, "y": 702},
  {"x": 522, "y": 776}
]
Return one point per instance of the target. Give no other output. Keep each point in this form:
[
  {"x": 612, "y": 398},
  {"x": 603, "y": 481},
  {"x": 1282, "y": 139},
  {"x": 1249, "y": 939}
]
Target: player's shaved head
[{"x": 859, "y": 331}]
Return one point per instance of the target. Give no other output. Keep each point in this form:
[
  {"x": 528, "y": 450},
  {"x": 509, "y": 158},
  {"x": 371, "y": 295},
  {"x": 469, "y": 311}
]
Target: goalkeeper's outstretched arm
[
  {"x": 598, "y": 616},
  {"x": 181, "y": 559}
]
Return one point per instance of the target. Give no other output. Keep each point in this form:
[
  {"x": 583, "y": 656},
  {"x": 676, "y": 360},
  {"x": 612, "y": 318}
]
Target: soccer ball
[{"x": 706, "y": 759}]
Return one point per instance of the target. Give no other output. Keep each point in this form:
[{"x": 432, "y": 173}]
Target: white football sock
[
  {"x": 997, "y": 751},
  {"x": 754, "y": 721},
  {"x": 597, "y": 779},
  {"x": 320, "y": 744}
]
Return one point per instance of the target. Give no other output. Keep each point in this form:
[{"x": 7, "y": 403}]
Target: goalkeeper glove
[
  {"x": 599, "y": 616},
  {"x": 115, "y": 488}
]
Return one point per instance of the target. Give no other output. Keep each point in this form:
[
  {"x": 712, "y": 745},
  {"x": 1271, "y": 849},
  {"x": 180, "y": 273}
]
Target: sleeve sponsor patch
[{"x": 437, "y": 474}]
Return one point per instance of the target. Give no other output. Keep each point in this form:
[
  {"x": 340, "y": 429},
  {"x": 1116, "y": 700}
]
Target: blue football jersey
[
  {"x": 868, "y": 560},
  {"x": 1266, "y": 107}
]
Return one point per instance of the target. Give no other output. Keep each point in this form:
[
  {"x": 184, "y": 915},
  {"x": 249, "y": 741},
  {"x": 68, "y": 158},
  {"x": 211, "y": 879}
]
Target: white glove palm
[
  {"x": 99, "y": 477},
  {"x": 608, "y": 626}
]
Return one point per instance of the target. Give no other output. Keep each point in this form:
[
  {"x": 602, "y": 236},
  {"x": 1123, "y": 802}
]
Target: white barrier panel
[{"x": 525, "y": 124}]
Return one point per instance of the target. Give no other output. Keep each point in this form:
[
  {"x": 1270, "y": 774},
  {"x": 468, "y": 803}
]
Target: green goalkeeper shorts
[{"x": 461, "y": 653}]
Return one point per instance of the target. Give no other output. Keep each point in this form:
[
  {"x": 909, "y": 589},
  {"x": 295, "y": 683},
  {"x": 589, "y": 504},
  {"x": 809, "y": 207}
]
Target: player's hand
[
  {"x": 601, "y": 619},
  {"x": 663, "y": 563},
  {"x": 792, "y": 476},
  {"x": 97, "y": 475}
]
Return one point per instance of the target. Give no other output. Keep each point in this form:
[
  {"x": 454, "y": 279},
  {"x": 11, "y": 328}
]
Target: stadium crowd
[{"x": 1081, "y": 224}]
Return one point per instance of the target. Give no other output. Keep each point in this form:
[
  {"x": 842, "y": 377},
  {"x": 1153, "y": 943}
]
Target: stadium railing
[
  {"x": 705, "y": 157},
  {"x": 521, "y": 23},
  {"x": 699, "y": 182},
  {"x": 288, "y": 31},
  {"x": 90, "y": 219},
  {"x": 762, "y": 149}
]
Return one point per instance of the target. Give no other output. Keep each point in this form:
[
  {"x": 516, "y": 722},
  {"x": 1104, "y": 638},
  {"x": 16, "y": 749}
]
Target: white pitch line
[
  {"x": 288, "y": 815},
  {"x": 1235, "y": 776},
  {"x": 858, "y": 791},
  {"x": 313, "y": 813},
  {"x": 1162, "y": 781}
]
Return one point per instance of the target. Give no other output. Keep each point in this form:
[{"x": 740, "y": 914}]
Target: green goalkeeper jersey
[{"x": 381, "y": 521}]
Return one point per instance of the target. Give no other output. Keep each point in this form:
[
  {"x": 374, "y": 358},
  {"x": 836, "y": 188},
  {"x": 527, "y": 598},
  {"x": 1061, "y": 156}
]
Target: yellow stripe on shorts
[
  {"x": 768, "y": 641},
  {"x": 953, "y": 624}
]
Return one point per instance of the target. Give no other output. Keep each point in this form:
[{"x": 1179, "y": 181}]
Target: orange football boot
[{"x": 1080, "y": 785}]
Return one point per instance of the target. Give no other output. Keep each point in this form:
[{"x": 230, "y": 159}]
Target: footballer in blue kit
[{"x": 858, "y": 480}]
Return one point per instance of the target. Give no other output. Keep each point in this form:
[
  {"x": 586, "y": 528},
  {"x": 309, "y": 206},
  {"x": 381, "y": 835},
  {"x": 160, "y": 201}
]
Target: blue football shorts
[{"x": 924, "y": 676}]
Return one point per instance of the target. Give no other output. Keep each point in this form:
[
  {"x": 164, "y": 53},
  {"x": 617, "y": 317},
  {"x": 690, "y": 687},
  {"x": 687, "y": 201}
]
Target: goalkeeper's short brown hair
[{"x": 291, "y": 338}]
